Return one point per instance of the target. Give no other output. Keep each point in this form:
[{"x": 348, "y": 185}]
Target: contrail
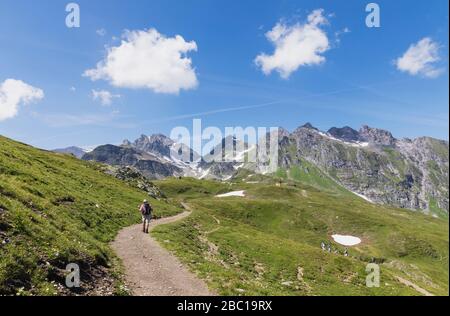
[
  {"x": 230, "y": 109},
  {"x": 261, "y": 105}
]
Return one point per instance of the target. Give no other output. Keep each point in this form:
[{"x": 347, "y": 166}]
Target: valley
[{"x": 268, "y": 242}]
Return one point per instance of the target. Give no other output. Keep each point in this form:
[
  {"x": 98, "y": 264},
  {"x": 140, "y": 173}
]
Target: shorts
[{"x": 146, "y": 218}]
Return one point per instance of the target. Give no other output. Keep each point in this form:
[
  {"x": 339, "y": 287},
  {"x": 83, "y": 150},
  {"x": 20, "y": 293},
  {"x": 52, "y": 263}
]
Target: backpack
[{"x": 146, "y": 209}]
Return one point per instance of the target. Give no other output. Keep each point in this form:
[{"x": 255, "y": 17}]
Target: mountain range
[{"x": 370, "y": 162}]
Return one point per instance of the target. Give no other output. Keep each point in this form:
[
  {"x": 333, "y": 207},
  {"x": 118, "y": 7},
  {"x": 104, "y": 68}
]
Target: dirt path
[
  {"x": 414, "y": 286},
  {"x": 150, "y": 270}
]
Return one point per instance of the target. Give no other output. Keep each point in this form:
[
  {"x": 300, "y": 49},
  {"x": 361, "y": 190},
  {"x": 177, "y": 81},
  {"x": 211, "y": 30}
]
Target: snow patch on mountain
[
  {"x": 363, "y": 197},
  {"x": 356, "y": 144}
]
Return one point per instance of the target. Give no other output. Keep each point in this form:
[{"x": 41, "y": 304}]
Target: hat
[{"x": 145, "y": 201}]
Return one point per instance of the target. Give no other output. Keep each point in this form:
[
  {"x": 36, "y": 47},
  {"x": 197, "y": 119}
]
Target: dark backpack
[{"x": 147, "y": 209}]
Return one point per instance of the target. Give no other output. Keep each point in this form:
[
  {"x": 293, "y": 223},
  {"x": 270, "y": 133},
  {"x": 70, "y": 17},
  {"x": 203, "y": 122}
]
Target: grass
[
  {"x": 312, "y": 176},
  {"x": 55, "y": 210},
  {"x": 268, "y": 243}
]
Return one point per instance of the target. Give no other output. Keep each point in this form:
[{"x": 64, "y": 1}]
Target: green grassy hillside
[
  {"x": 55, "y": 210},
  {"x": 268, "y": 243}
]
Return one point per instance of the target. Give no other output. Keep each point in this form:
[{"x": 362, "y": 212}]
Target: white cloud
[
  {"x": 345, "y": 30},
  {"x": 339, "y": 33},
  {"x": 148, "y": 59},
  {"x": 14, "y": 93},
  {"x": 421, "y": 59},
  {"x": 105, "y": 97},
  {"x": 296, "y": 46},
  {"x": 101, "y": 32}
]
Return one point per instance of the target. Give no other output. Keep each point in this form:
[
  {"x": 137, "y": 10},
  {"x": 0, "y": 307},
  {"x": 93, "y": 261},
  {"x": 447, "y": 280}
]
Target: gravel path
[
  {"x": 414, "y": 286},
  {"x": 150, "y": 270}
]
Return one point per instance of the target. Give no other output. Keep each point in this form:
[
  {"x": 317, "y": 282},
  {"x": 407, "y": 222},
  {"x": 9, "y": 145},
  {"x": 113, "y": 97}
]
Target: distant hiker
[
  {"x": 322, "y": 245},
  {"x": 346, "y": 252},
  {"x": 329, "y": 248},
  {"x": 146, "y": 211}
]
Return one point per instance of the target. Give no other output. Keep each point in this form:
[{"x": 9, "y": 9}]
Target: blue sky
[{"x": 356, "y": 82}]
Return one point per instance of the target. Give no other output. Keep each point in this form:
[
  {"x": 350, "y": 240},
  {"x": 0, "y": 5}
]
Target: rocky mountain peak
[
  {"x": 229, "y": 139},
  {"x": 309, "y": 126},
  {"x": 157, "y": 144},
  {"x": 160, "y": 138},
  {"x": 126, "y": 143},
  {"x": 345, "y": 133},
  {"x": 141, "y": 141},
  {"x": 377, "y": 136},
  {"x": 282, "y": 132},
  {"x": 307, "y": 129}
]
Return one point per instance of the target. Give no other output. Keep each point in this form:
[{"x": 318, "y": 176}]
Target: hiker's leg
[{"x": 148, "y": 225}]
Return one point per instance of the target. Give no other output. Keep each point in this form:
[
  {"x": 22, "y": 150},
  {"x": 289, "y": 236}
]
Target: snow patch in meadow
[
  {"x": 234, "y": 193},
  {"x": 363, "y": 197},
  {"x": 346, "y": 240}
]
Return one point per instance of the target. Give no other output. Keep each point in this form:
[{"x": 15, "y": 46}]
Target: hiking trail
[{"x": 151, "y": 270}]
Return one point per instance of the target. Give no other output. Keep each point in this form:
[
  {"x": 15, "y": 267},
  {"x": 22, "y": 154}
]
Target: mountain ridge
[{"x": 370, "y": 162}]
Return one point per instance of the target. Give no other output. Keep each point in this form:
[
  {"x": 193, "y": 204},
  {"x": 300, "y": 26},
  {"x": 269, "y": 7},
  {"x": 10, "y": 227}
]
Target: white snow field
[
  {"x": 234, "y": 193},
  {"x": 346, "y": 240}
]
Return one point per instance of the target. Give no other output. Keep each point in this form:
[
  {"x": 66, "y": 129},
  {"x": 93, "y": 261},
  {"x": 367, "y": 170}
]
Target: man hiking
[{"x": 146, "y": 211}]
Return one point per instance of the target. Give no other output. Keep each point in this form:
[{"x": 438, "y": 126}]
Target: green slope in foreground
[
  {"x": 55, "y": 210},
  {"x": 268, "y": 243}
]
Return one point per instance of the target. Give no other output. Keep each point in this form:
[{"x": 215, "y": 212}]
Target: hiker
[
  {"x": 346, "y": 252},
  {"x": 322, "y": 245},
  {"x": 146, "y": 211}
]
